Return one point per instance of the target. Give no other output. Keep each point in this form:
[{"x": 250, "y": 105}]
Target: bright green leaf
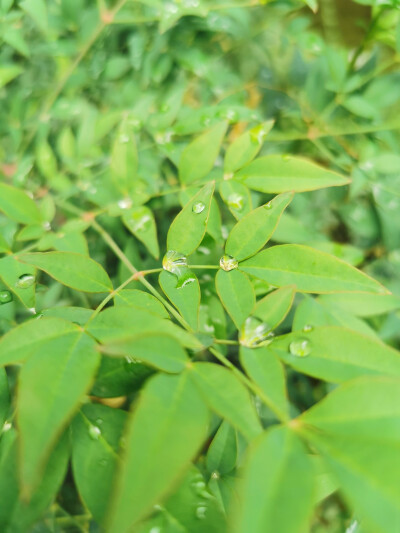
[
  {"x": 20, "y": 279},
  {"x": 141, "y": 300},
  {"x": 273, "y": 308},
  {"x": 17, "y": 205},
  {"x": 185, "y": 298},
  {"x": 236, "y": 293}
]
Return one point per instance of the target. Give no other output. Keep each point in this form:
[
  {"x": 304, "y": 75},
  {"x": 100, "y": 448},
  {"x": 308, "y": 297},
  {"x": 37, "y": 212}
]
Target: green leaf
[
  {"x": 7, "y": 74},
  {"x": 17, "y": 515},
  {"x": 273, "y": 308},
  {"x": 198, "y": 158},
  {"x": 140, "y": 221},
  {"x": 308, "y": 269},
  {"x": 46, "y": 161},
  {"x": 255, "y": 229},
  {"x": 277, "y": 470},
  {"x": 237, "y": 197},
  {"x": 222, "y": 453},
  {"x": 18, "y": 206},
  {"x": 78, "y": 315},
  {"x": 4, "y": 396},
  {"x": 11, "y": 272},
  {"x": 356, "y": 429},
  {"x": 226, "y": 395},
  {"x": 161, "y": 351},
  {"x": 21, "y": 342},
  {"x": 186, "y": 298},
  {"x": 166, "y": 430},
  {"x": 337, "y": 354},
  {"x": 51, "y": 384},
  {"x": 71, "y": 269},
  {"x": 264, "y": 368},
  {"x": 276, "y": 173},
  {"x": 236, "y": 293},
  {"x": 96, "y": 434},
  {"x": 245, "y": 147},
  {"x": 140, "y": 300},
  {"x": 122, "y": 323},
  {"x": 364, "y": 305},
  {"x": 124, "y": 158}
]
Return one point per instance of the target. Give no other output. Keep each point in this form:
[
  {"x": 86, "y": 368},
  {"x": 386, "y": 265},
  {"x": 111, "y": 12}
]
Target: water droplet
[
  {"x": 307, "y": 328},
  {"x": 25, "y": 281},
  {"x": 300, "y": 347},
  {"x": 227, "y": 263},
  {"x": 185, "y": 278},
  {"x": 198, "y": 207},
  {"x": 215, "y": 475},
  {"x": 94, "y": 432},
  {"x": 32, "y": 310},
  {"x": 236, "y": 201},
  {"x": 174, "y": 262},
  {"x": 46, "y": 226},
  {"x": 125, "y": 203},
  {"x": 258, "y": 134},
  {"x": 268, "y": 206},
  {"x": 7, "y": 426},
  {"x": 228, "y": 176},
  {"x": 229, "y": 114},
  {"x": 140, "y": 219},
  {"x": 155, "y": 529},
  {"x": 205, "y": 120},
  {"x": 123, "y": 138},
  {"x": 204, "y": 250},
  {"x": 201, "y": 512},
  {"x": 163, "y": 137},
  {"x": 253, "y": 332},
  {"x": 103, "y": 462},
  {"x": 99, "y": 421},
  {"x": 5, "y": 297}
]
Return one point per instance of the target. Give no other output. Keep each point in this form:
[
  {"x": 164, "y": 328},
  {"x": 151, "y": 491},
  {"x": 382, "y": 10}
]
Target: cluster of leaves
[{"x": 187, "y": 344}]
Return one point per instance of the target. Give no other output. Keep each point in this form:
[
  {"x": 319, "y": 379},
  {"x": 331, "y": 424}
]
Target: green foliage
[{"x": 199, "y": 266}]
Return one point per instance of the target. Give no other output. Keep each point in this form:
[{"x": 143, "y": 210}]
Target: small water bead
[
  {"x": 141, "y": 220},
  {"x": 99, "y": 421},
  {"x": 94, "y": 432},
  {"x": 227, "y": 263},
  {"x": 258, "y": 134},
  {"x": 174, "y": 261},
  {"x": 125, "y": 203},
  {"x": 215, "y": 475},
  {"x": 5, "y": 297},
  {"x": 253, "y": 332},
  {"x": 229, "y": 114},
  {"x": 155, "y": 529},
  {"x": 185, "y": 278},
  {"x": 198, "y": 207},
  {"x": 25, "y": 281},
  {"x": 123, "y": 138},
  {"x": 307, "y": 328},
  {"x": 236, "y": 201},
  {"x": 268, "y": 206},
  {"x": 7, "y": 426},
  {"x": 300, "y": 347},
  {"x": 201, "y": 511}
]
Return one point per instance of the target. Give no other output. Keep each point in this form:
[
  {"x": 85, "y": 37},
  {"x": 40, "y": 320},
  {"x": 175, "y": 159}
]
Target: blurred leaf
[{"x": 17, "y": 205}]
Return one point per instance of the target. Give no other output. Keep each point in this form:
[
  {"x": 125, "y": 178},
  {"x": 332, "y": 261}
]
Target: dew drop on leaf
[
  {"x": 201, "y": 512},
  {"x": 125, "y": 203},
  {"x": 198, "y": 207},
  {"x": 258, "y": 134},
  {"x": 5, "y": 297},
  {"x": 308, "y": 327},
  {"x": 268, "y": 206},
  {"x": 227, "y": 263},
  {"x": 94, "y": 432},
  {"x": 185, "y": 278},
  {"x": 174, "y": 261},
  {"x": 300, "y": 347},
  {"x": 253, "y": 332},
  {"x": 25, "y": 281},
  {"x": 236, "y": 201}
]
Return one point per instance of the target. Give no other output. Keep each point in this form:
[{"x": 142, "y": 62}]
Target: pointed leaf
[
  {"x": 273, "y": 308},
  {"x": 96, "y": 434},
  {"x": 185, "y": 298},
  {"x": 254, "y": 230},
  {"x": 168, "y": 425},
  {"x": 140, "y": 221},
  {"x": 18, "y": 206},
  {"x": 278, "y": 470},
  {"x": 337, "y": 354},
  {"x": 276, "y": 173},
  {"x": 226, "y": 395},
  {"x": 265, "y": 369},
  {"x": 51, "y": 384},
  {"x": 236, "y": 293},
  {"x": 308, "y": 269},
  {"x": 199, "y": 156},
  {"x": 71, "y": 269},
  {"x": 189, "y": 226}
]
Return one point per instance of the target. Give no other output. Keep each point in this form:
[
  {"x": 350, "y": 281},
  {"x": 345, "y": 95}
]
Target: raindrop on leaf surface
[
  {"x": 174, "y": 261},
  {"x": 227, "y": 263},
  {"x": 25, "y": 281},
  {"x": 94, "y": 432},
  {"x": 198, "y": 207},
  {"x": 308, "y": 327},
  {"x": 254, "y": 332},
  {"x": 5, "y": 297},
  {"x": 236, "y": 201},
  {"x": 268, "y": 206},
  {"x": 300, "y": 347}
]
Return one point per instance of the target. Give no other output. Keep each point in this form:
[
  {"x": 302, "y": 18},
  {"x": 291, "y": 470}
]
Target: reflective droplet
[
  {"x": 227, "y": 263},
  {"x": 155, "y": 529},
  {"x": 228, "y": 176},
  {"x": 32, "y": 310},
  {"x": 5, "y": 297},
  {"x": 201, "y": 512},
  {"x": 185, "y": 278},
  {"x": 99, "y": 421},
  {"x": 253, "y": 332},
  {"x": 46, "y": 226},
  {"x": 215, "y": 475},
  {"x": 123, "y": 138},
  {"x": 198, "y": 207},
  {"x": 163, "y": 137},
  {"x": 94, "y": 432},
  {"x": 300, "y": 347},
  {"x": 307, "y": 328},
  {"x": 229, "y": 114},
  {"x": 258, "y": 134},
  {"x": 174, "y": 262},
  {"x": 25, "y": 281},
  {"x": 125, "y": 203},
  {"x": 140, "y": 219},
  {"x": 7, "y": 426},
  {"x": 236, "y": 201},
  {"x": 268, "y": 206}
]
